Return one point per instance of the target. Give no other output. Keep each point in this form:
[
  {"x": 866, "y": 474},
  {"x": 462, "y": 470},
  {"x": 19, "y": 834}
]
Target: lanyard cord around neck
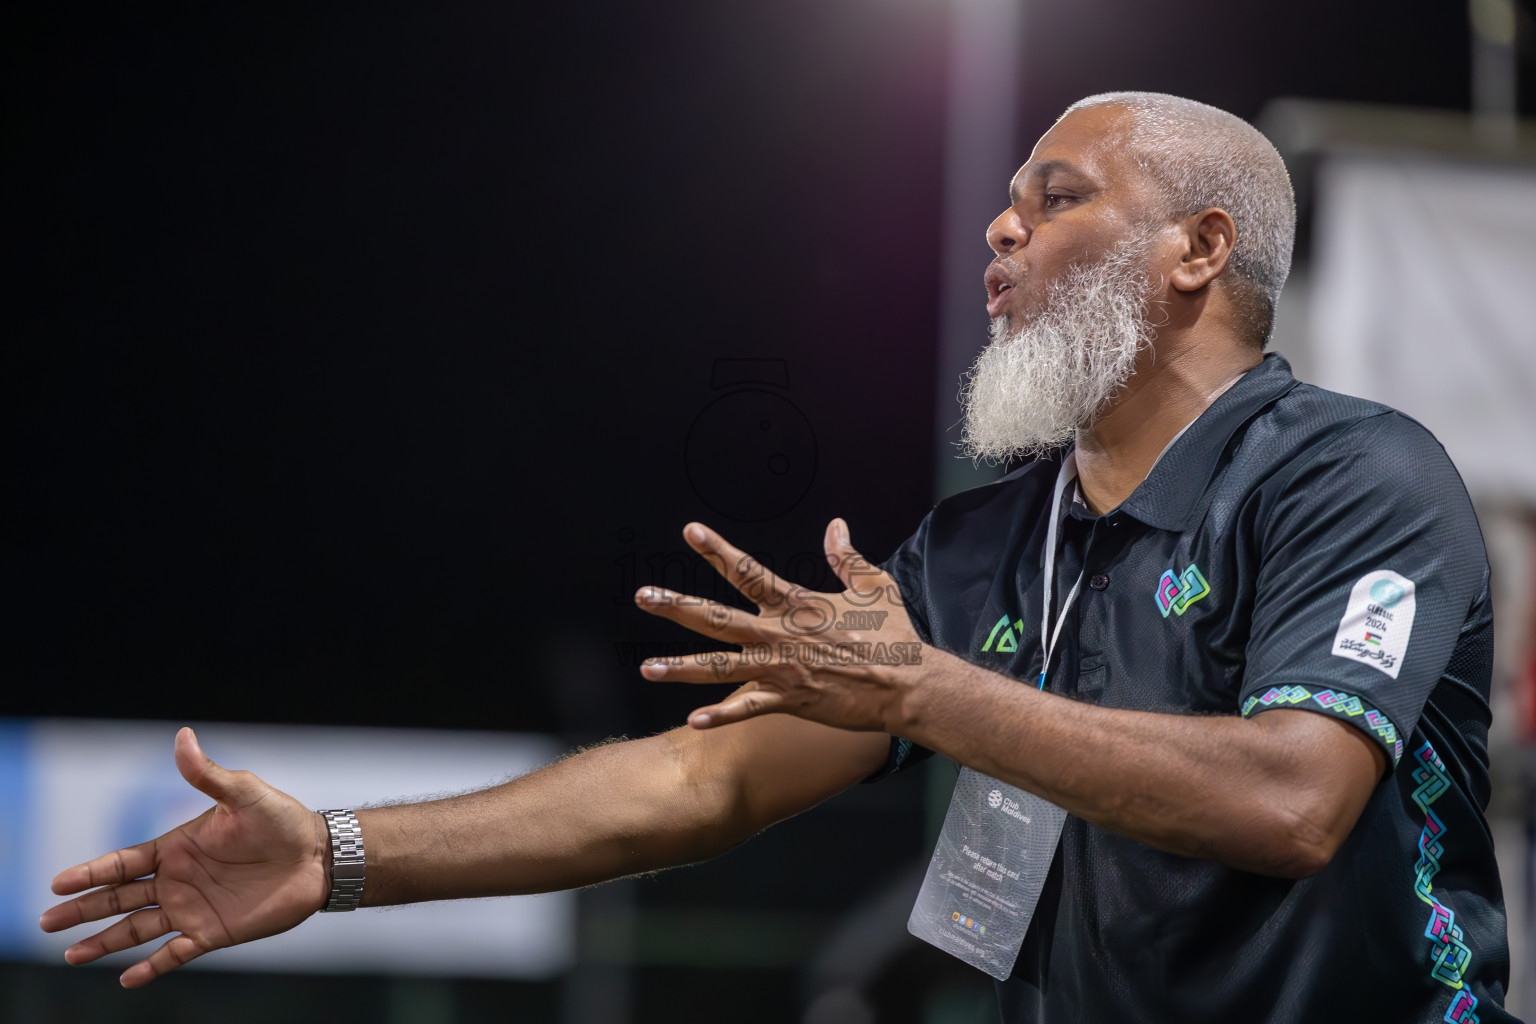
[{"x": 1067, "y": 474}]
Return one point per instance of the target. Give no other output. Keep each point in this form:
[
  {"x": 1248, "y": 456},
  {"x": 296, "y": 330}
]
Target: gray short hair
[{"x": 1202, "y": 157}]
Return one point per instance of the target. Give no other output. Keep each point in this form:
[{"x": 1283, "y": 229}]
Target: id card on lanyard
[{"x": 998, "y": 840}]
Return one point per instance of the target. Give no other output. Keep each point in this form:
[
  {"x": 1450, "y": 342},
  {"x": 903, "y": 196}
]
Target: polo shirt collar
[{"x": 1168, "y": 497}]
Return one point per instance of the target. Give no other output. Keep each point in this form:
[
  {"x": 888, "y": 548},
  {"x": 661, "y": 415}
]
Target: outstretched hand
[
  {"x": 842, "y": 659},
  {"x": 250, "y": 866}
]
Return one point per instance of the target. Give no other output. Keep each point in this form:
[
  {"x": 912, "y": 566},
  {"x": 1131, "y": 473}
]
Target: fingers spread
[
  {"x": 839, "y": 550},
  {"x": 168, "y": 957},
  {"x": 109, "y": 869},
  {"x": 740, "y": 569},
  {"x": 714, "y": 667},
  {"x": 739, "y": 708},
  {"x": 136, "y": 928},
  {"x": 108, "y": 902},
  {"x": 857, "y": 572},
  {"x": 711, "y": 618}
]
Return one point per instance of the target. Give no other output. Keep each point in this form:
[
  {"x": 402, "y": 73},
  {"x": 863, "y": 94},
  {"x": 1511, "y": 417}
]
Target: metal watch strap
[{"x": 348, "y": 862}]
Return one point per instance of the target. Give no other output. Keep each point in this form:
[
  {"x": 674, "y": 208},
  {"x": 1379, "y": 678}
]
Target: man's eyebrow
[{"x": 1036, "y": 172}]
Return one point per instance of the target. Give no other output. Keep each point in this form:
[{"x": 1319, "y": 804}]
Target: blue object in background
[{"x": 16, "y": 937}]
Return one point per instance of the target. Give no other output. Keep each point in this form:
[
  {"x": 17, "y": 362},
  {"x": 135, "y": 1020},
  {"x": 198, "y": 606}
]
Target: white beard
[{"x": 1031, "y": 388}]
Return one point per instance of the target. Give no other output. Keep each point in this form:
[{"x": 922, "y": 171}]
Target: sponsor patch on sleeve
[{"x": 1377, "y": 621}]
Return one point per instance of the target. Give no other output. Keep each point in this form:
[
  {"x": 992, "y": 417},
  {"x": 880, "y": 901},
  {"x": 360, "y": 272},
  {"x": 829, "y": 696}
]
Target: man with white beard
[
  {"x": 1238, "y": 772},
  {"x": 1035, "y": 383}
]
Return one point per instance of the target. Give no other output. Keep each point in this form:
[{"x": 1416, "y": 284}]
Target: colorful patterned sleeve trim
[
  {"x": 1448, "y": 952},
  {"x": 1335, "y": 702}
]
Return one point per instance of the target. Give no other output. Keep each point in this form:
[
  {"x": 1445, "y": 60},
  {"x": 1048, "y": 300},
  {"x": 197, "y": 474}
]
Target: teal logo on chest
[
  {"x": 1176, "y": 593},
  {"x": 1006, "y": 636}
]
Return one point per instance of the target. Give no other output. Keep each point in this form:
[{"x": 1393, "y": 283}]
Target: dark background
[{"x": 359, "y": 358}]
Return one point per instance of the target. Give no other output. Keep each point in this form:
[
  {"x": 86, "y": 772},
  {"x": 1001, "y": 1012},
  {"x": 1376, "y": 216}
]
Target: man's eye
[{"x": 1054, "y": 200}]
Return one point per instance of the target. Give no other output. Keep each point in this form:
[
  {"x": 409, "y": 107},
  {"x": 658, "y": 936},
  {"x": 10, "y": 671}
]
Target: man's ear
[{"x": 1209, "y": 236}]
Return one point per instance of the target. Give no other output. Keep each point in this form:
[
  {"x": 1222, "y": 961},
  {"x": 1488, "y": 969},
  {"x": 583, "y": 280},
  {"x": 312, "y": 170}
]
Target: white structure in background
[
  {"x": 1424, "y": 298},
  {"x": 76, "y": 789}
]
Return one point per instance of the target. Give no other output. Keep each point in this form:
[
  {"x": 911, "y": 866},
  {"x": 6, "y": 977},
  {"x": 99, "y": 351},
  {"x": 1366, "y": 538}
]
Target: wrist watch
[{"x": 348, "y": 862}]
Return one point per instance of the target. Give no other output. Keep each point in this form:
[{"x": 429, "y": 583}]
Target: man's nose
[{"x": 1008, "y": 232}]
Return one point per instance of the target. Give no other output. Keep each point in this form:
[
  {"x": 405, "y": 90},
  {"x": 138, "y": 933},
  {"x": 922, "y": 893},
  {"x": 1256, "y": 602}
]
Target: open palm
[{"x": 250, "y": 866}]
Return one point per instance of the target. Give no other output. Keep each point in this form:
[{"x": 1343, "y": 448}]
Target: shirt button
[{"x": 1100, "y": 581}]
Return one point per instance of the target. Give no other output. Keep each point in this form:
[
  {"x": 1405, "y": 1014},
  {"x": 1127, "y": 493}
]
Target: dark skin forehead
[{"x": 1086, "y": 149}]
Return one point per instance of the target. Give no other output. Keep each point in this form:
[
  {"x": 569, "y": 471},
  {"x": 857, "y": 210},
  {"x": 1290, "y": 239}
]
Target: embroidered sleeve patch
[{"x": 1377, "y": 621}]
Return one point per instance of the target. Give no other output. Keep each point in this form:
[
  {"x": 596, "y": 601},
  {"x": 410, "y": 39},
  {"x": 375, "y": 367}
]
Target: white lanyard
[{"x": 1067, "y": 474}]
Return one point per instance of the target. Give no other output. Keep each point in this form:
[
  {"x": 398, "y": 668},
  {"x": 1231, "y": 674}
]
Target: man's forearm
[
  {"x": 610, "y": 811},
  {"x": 1256, "y": 794}
]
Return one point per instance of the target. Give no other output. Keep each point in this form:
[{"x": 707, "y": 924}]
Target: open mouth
[{"x": 999, "y": 284}]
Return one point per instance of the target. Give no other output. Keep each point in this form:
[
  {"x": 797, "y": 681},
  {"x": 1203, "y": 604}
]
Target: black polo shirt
[{"x": 1294, "y": 548}]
